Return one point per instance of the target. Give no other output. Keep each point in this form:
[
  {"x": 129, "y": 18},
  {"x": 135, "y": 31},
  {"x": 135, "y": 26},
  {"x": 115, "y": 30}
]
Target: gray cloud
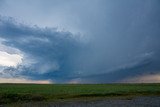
[
  {"x": 123, "y": 41},
  {"x": 48, "y": 50},
  {"x": 130, "y": 34}
]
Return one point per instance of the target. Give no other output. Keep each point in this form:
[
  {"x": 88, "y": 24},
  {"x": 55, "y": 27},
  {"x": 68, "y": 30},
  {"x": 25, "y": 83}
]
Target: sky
[{"x": 79, "y": 41}]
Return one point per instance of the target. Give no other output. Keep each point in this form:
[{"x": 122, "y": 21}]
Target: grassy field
[{"x": 10, "y": 93}]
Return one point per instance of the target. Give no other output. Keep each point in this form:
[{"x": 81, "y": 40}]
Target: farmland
[{"x": 10, "y": 93}]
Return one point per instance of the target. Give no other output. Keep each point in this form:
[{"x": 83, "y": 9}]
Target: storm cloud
[
  {"x": 103, "y": 41},
  {"x": 44, "y": 50}
]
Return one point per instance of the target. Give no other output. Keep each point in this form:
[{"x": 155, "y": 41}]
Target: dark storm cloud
[
  {"x": 130, "y": 34},
  {"x": 123, "y": 42},
  {"x": 49, "y": 49}
]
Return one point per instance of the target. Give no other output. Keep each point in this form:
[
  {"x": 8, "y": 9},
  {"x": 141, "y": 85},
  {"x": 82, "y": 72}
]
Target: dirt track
[{"x": 106, "y": 102}]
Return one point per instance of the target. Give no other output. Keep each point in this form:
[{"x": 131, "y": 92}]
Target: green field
[{"x": 10, "y": 93}]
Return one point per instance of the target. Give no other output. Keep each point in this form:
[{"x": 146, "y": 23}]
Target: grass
[{"x": 10, "y": 93}]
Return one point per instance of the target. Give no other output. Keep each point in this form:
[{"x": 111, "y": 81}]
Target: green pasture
[{"x": 45, "y": 92}]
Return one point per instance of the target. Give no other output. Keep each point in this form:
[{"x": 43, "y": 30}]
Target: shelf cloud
[{"x": 80, "y": 41}]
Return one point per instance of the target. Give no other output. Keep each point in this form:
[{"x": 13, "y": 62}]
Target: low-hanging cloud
[
  {"x": 123, "y": 43},
  {"x": 45, "y": 50}
]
